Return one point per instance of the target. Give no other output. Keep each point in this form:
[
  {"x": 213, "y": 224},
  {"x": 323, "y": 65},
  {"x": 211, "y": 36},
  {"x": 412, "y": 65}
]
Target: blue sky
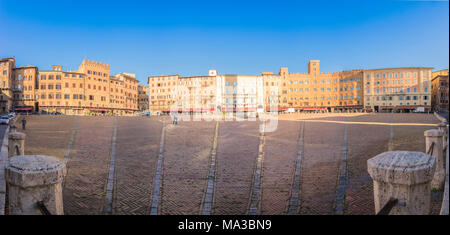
[{"x": 234, "y": 37}]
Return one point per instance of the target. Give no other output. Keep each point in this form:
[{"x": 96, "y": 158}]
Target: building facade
[
  {"x": 284, "y": 91},
  {"x": 7, "y": 66},
  {"x": 91, "y": 89},
  {"x": 439, "y": 91},
  {"x": 143, "y": 98},
  {"x": 88, "y": 90},
  {"x": 239, "y": 93},
  {"x": 339, "y": 91},
  {"x": 160, "y": 89},
  {"x": 398, "y": 89}
]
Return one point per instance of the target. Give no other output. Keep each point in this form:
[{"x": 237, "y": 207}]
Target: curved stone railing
[
  {"x": 444, "y": 208},
  {"x": 442, "y": 119},
  {"x": 3, "y": 160}
]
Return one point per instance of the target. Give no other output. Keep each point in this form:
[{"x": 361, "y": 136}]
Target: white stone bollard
[
  {"x": 35, "y": 178},
  {"x": 16, "y": 144},
  {"x": 435, "y": 136},
  {"x": 405, "y": 176},
  {"x": 12, "y": 128}
]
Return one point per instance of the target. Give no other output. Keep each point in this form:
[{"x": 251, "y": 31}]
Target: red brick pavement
[
  {"x": 184, "y": 178},
  {"x": 364, "y": 142},
  {"x": 47, "y": 135},
  {"x": 410, "y": 138},
  {"x": 415, "y": 118},
  {"x": 187, "y": 154},
  {"x": 436, "y": 202},
  {"x": 278, "y": 168},
  {"x": 322, "y": 155},
  {"x": 136, "y": 155},
  {"x": 236, "y": 155},
  {"x": 85, "y": 183}
]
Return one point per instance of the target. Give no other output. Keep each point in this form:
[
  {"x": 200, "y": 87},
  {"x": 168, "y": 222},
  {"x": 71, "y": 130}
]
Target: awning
[
  {"x": 190, "y": 110},
  {"x": 349, "y": 107},
  {"x": 413, "y": 106},
  {"x": 318, "y": 108},
  {"x": 276, "y": 109},
  {"x": 92, "y": 109},
  {"x": 24, "y": 108},
  {"x": 240, "y": 109}
]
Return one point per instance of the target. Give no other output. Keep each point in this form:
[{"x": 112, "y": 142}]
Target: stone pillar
[
  {"x": 435, "y": 136},
  {"x": 35, "y": 178},
  {"x": 16, "y": 144},
  {"x": 12, "y": 127},
  {"x": 443, "y": 127},
  {"x": 405, "y": 176}
]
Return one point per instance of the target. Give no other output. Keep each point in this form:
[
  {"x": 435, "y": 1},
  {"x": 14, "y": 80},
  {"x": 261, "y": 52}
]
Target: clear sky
[{"x": 233, "y": 36}]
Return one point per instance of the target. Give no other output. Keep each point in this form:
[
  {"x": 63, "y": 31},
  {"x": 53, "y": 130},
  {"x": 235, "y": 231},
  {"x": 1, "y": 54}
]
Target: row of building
[
  {"x": 391, "y": 89},
  {"x": 93, "y": 90},
  {"x": 89, "y": 90}
]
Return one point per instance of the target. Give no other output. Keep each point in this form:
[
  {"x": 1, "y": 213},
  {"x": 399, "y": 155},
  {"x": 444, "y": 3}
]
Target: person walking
[{"x": 24, "y": 123}]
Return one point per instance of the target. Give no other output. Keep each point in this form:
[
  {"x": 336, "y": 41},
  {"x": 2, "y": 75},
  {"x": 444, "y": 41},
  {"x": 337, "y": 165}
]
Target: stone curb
[
  {"x": 256, "y": 190},
  {"x": 157, "y": 181},
  {"x": 294, "y": 201},
  {"x": 208, "y": 197},
  {"x": 111, "y": 173}
]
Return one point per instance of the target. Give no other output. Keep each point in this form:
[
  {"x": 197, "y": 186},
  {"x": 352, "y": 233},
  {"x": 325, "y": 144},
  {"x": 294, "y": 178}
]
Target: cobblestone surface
[
  {"x": 414, "y": 118},
  {"x": 47, "y": 135},
  {"x": 278, "y": 170},
  {"x": 436, "y": 202},
  {"x": 186, "y": 166},
  {"x": 236, "y": 155},
  {"x": 187, "y": 155},
  {"x": 359, "y": 191},
  {"x": 409, "y": 138},
  {"x": 85, "y": 183},
  {"x": 321, "y": 159},
  {"x": 136, "y": 155}
]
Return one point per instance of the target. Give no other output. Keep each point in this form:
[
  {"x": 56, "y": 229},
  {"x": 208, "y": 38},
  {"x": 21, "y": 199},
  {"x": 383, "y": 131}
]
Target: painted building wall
[{"x": 397, "y": 88}]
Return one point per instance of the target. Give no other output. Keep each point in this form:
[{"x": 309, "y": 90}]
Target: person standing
[{"x": 24, "y": 123}]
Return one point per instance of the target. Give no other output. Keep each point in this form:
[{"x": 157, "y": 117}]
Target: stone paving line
[
  {"x": 3, "y": 162},
  {"x": 111, "y": 174},
  {"x": 255, "y": 195},
  {"x": 371, "y": 123},
  {"x": 209, "y": 192},
  {"x": 391, "y": 135},
  {"x": 69, "y": 147},
  {"x": 342, "y": 180},
  {"x": 72, "y": 137},
  {"x": 158, "y": 175},
  {"x": 295, "y": 191}
]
